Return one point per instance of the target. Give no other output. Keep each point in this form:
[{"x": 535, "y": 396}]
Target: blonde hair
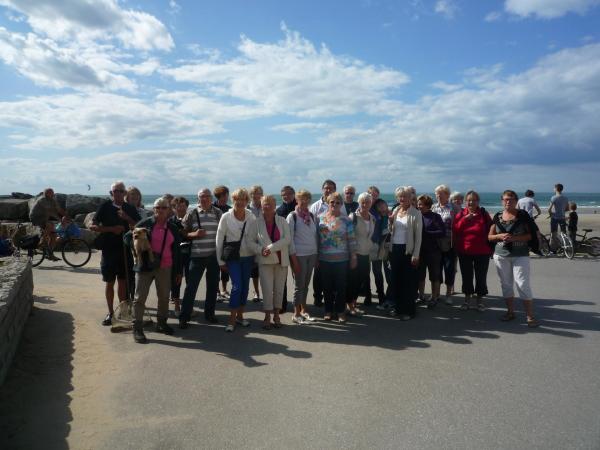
[
  {"x": 256, "y": 188},
  {"x": 133, "y": 190},
  {"x": 162, "y": 201},
  {"x": 365, "y": 196},
  {"x": 404, "y": 190},
  {"x": 442, "y": 188},
  {"x": 303, "y": 193},
  {"x": 240, "y": 194},
  {"x": 335, "y": 196},
  {"x": 268, "y": 199}
]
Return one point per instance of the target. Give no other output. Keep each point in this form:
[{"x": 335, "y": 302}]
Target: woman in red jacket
[{"x": 470, "y": 239}]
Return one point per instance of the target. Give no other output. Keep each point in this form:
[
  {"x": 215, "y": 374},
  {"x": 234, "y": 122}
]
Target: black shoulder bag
[
  {"x": 148, "y": 266},
  {"x": 231, "y": 250}
]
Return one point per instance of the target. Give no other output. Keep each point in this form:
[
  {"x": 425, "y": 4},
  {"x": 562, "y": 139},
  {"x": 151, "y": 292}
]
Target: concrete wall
[{"x": 16, "y": 301}]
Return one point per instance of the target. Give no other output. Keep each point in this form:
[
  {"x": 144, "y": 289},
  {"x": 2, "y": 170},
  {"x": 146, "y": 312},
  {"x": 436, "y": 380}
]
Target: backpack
[
  {"x": 295, "y": 216},
  {"x": 523, "y": 216}
]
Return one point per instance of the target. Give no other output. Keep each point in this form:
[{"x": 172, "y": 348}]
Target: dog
[{"x": 141, "y": 245}]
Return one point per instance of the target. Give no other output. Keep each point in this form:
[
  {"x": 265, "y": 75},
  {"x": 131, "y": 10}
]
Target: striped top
[{"x": 209, "y": 221}]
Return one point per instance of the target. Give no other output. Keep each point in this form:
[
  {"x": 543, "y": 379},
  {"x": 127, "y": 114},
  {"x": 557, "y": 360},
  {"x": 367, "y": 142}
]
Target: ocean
[{"x": 489, "y": 200}]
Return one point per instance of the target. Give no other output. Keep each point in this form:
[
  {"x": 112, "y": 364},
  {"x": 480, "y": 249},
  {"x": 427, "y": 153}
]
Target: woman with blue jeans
[{"x": 238, "y": 224}]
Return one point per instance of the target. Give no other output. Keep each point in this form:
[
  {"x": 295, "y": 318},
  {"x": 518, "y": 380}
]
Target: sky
[{"x": 174, "y": 95}]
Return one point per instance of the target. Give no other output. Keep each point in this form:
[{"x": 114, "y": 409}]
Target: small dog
[{"x": 141, "y": 245}]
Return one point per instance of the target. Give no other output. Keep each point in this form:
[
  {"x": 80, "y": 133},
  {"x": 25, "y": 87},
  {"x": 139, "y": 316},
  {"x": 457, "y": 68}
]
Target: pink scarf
[{"x": 304, "y": 215}]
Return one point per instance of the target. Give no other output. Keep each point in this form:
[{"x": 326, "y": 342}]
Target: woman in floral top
[{"x": 337, "y": 252}]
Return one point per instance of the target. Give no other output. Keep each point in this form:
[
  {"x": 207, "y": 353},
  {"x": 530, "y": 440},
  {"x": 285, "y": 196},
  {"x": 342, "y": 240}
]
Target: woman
[
  {"x": 431, "y": 254},
  {"x": 238, "y": 225},
  {"x": 337, "y": 252},
  {"x": 448, "y": 211},
  {"x": 511, "y": 256},
  {"x": 164, "y": 239},
  {"x": 406, "y": 225},
  {"x": 380, "y": 263},
  {"x": 456, "y": 198},
  {"x": 470, "y": 239},
  {"x": 180, "y": 206},
  {"x": 133, "y": 196},
  {"x": 256, "y": 193},
  {"x": 273, "y": 260},
  {"x": 360, "y": 277},
  {"x": 303, "y": 237}
]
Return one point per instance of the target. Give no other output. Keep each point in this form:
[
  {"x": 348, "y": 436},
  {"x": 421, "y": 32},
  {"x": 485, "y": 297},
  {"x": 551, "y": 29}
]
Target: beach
[{"x": 449, "y": 378}]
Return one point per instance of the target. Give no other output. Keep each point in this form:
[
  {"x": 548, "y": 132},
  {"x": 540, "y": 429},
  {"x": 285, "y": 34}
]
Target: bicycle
[
  {"x": 565, "y": 245},
  {"x": 75, "y": 251},
  {"x": 589, "y": 245}
]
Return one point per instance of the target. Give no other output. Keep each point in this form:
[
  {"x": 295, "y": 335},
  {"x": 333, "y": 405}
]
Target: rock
[
  {"x": 21, "y": 196},
  {"x": 13, "y": 209},
  {"x": 82, "y": 204},
  {"x": 88, "y": 236},
  {"x": 79, "y": 219},
  {"x": 87, "y": 222}
]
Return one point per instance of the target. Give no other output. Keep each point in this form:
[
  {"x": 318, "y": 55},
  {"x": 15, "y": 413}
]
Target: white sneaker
[
  {"x": 229, "y": 328},
  {"x": 298, "y": 319},
  {"x": 448, "y": 300},
  {"x": 243, "y": 322},
  {"x": 308, "y": 317}
]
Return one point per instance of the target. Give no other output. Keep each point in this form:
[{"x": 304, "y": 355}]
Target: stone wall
[{"x": 16, "y": 301}]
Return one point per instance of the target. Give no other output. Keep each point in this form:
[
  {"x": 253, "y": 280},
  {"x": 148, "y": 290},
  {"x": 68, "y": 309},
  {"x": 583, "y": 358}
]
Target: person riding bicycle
[
  {"x": 558, "y": 205},
  {"x": 45, "y": 213}
]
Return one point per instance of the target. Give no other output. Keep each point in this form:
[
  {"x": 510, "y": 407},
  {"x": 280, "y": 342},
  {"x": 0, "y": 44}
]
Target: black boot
[
  {"x": 162, "y": 327},
  {"x": 138, "y": 333}
]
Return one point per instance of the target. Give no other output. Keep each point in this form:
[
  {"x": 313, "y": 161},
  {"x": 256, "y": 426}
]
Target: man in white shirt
[{"x": 320, "y": 206}]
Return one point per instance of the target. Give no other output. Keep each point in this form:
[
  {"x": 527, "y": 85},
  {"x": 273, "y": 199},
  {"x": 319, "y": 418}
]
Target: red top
[
  {"x": 275, "y": 236},
  {"x": 470, "y": 234}
]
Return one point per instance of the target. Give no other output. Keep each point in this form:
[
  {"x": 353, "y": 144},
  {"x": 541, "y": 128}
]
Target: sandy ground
[{"x": 448, "y": 379}]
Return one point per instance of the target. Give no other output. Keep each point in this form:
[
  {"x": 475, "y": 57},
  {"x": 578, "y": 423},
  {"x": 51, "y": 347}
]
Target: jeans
[
  {"x": 404, "y": 281},
  {"x": 196, "y": 268},
  {"x": 474, "y": 265},
  {"x": 360, "y": 279},
  {"x": 176, "y": 288},
  {"x": 239, "y": 273},
  {"x": 449, "y": 267},
  {"x": 334, "y": 281}
]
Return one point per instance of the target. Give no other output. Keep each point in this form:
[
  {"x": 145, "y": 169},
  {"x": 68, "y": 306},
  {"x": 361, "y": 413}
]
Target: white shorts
[{"x": 514, "y": 270}]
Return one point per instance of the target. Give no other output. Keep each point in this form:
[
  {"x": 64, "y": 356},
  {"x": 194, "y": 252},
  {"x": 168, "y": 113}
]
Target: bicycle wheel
[
  {"x": 36, "y": 256},
  {"x": 592, "y": 246},
  {"x": 567, "y": 245},
  {"x": 76, "y": 252},
  {"x": 544, "y": 246}
]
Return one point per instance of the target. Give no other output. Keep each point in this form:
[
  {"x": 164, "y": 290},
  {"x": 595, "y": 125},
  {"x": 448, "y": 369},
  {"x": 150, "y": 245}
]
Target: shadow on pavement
[
  {"x": 92, "y": 270},
  {"x": 34, "y": 400}
]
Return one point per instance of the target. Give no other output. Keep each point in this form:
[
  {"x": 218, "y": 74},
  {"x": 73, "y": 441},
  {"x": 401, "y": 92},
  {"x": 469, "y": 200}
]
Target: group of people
[{"x": 336, "y": 241}]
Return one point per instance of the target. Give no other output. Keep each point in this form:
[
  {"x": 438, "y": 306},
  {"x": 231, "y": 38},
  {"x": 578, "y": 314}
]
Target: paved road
[{"x": 449, "y": 379}]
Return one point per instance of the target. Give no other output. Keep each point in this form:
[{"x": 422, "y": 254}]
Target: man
[
  {"x": 222, "y": 197},
  {"x": 112, "y": 220},
  {"x": 288, "y": 198},
  {"x": 349, "y": 204},
  {"x": 200, "y": 226},
  {"x": 529, "y": 204},
  {"x": 44, "y": 214},
  {"x": 559, "y": 204}
]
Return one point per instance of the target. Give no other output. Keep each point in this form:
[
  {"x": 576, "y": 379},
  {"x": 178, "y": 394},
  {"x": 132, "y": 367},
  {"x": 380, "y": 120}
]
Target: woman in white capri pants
[
  {"x": 511, "y": 256},
  {"x": 274, "y": 259}
]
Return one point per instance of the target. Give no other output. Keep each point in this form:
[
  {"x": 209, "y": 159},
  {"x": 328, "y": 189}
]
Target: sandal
[
  {"x": 267, "y": 325},
  {"x": 327, "y": 317},
  {"x": 508, "y": 317},
  {"x": 532, "y": 323},
  {"x": 277, "y": 324}
]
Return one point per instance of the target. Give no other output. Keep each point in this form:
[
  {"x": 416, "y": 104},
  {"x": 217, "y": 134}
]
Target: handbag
[
  {"x": 150, "y": 266},
  {"x": 231, "y": 250}
]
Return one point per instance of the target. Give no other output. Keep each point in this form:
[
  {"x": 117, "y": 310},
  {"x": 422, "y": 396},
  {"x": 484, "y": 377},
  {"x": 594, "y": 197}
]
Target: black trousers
[
  {"x": 359, "y": 279},
  {"x": 474, "y": 265},
  {"x": 317, "y": 286},
  {"x": 404, "y": 280},
  {"x": 334, "y": 281}
]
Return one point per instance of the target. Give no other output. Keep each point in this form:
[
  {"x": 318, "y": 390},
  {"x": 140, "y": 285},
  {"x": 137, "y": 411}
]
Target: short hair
[
  {"x": 403, "y": 190},
  {"x": 442, "y": 188},
  {"x": 255, "y": 189},
  {"x": 303, "y": 193},
  {"x": 162, "y": 201},
  {"x": 473, "y": 193},
  {"x": 378, "y": 202},
  {"x": 365, "y": 196},
  {"x": 117, "y": 184},
  {"x": 373, "y": 188},
  {"x": 48, "y": 189},
  {"x": 328, "y": 181},
  {"x": 349, "y": 186},
  {"x": 178, "y": 200},
  {"x": 133, "y": 190},
  {"x": 559, "y": 187},
  {"x": 456, "y": 194},
  {"x": 221, "y": 190},
  {"x": 511, "y": 193},
  {"x": 268, "y": 199},
  {"x": 204, "y": 191},
  {"x": 287, "y": 188},
  {"x": 426, "y": 200},
  {"x": 169, "y": 197},
  {"x": 335, "y": 196},
  {"x": 529, "y": 193},
  {"x": 240, "y": 194},
  {"x": 572, "y": 206}
]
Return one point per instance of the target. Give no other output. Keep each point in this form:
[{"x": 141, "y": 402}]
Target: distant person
[
  {"x": 374, "y": 191},
  {"x": 200, "y": 227},
  {"x": 349, "y": 204},
  {"x": 165, "y": 240},
  {"x": 288, "y": 201},
  {"x": 470, "y": 231},
  {"x": 256, "y": 192},
  {"x": 45, "y": 213},
  {"x": 112, "y": 220},
  {"x": 221, "y": 194},
  {"x": 380, "y": 263},
  {"x": 529, "y": 204},
  {"x": 559, "y": 204},
  {"x": 133, "y": 196},
  {"x": 456, "y": 198},
  {"x": 179, "y": 207},
  {"x": 573, "y": 219},
  {"x": 511, "y": 256}
]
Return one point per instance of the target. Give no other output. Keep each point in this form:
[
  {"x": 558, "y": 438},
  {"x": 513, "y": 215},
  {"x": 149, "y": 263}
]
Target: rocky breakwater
[{"x": 16, "y": 301}]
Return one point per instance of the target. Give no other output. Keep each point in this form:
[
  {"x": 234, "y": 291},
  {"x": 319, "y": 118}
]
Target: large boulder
[
  {"x": 89, "y": 220},
  {"x": 13, "y": 209},
  {"x": 83, "y": 204},
  {"x": 21, "y": 195}
]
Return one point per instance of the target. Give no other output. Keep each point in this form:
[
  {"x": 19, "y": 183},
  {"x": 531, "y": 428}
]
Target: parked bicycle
[
  {"x": 565, "y": 245},
  {"x": 589, "y": 245},
  {"x": 75, "y": 251}
]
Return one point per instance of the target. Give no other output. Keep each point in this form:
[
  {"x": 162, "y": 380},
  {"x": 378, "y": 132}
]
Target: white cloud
[
  {"x": 446, "y": 87},
  {"x": 294, "y": 77},
  {"x": 548, "y": 9},
  {"x": 493, "y": 16},
  {"x": 294, "y": 128},
  {"x": 174, "y": 7},
  {"x": 447, "y": 8}
]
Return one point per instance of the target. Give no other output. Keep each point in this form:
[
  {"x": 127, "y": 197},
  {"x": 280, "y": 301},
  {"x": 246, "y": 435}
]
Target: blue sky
[{"x": 177, "y": 95}]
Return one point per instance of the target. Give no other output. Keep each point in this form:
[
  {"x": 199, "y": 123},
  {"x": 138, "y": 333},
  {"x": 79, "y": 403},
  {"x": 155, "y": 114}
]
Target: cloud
[
  {"x": 293, "y": 77},
  {"x": 493, "y": 16},
  {"x": 92, "y": 20},
  {"x": 447, "y": 8},
  {"x": 174, "y": 7},
  {"x": 294, "y": 128},
  {"x": 548, "y": 9},
  {"x": 446, "y": 87}
]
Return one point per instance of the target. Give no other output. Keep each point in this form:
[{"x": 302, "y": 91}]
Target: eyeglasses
[
  {"x": 118, "y": 191},
  {"x": 335, "y": 202},
  {"x": 508, "y": 199}
]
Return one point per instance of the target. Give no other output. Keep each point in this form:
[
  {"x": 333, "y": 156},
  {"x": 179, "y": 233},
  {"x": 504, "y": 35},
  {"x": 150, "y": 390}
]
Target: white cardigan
[
  {"x": 414, "y": 233},
  {"x": 282, "y": 245},
  {"x": 249, "y": 245}
]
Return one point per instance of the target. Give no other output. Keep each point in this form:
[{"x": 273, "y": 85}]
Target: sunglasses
[
  {"x": 118, "y": 191},
  {"x": 161, "y": 207}
]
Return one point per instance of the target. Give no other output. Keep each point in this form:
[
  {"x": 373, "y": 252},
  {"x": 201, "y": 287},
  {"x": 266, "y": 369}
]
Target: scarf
[{"x": 304, "y": 215}]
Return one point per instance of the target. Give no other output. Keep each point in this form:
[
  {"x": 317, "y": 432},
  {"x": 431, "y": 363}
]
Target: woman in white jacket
[
  {"x": 273, "y": 236},
  {"x": 238, "y": 224}
]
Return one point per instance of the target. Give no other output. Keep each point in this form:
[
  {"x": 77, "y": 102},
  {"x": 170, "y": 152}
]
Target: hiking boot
[
  {"x": 162, "y": 327},
  {"x": 138, "y": 333}
]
